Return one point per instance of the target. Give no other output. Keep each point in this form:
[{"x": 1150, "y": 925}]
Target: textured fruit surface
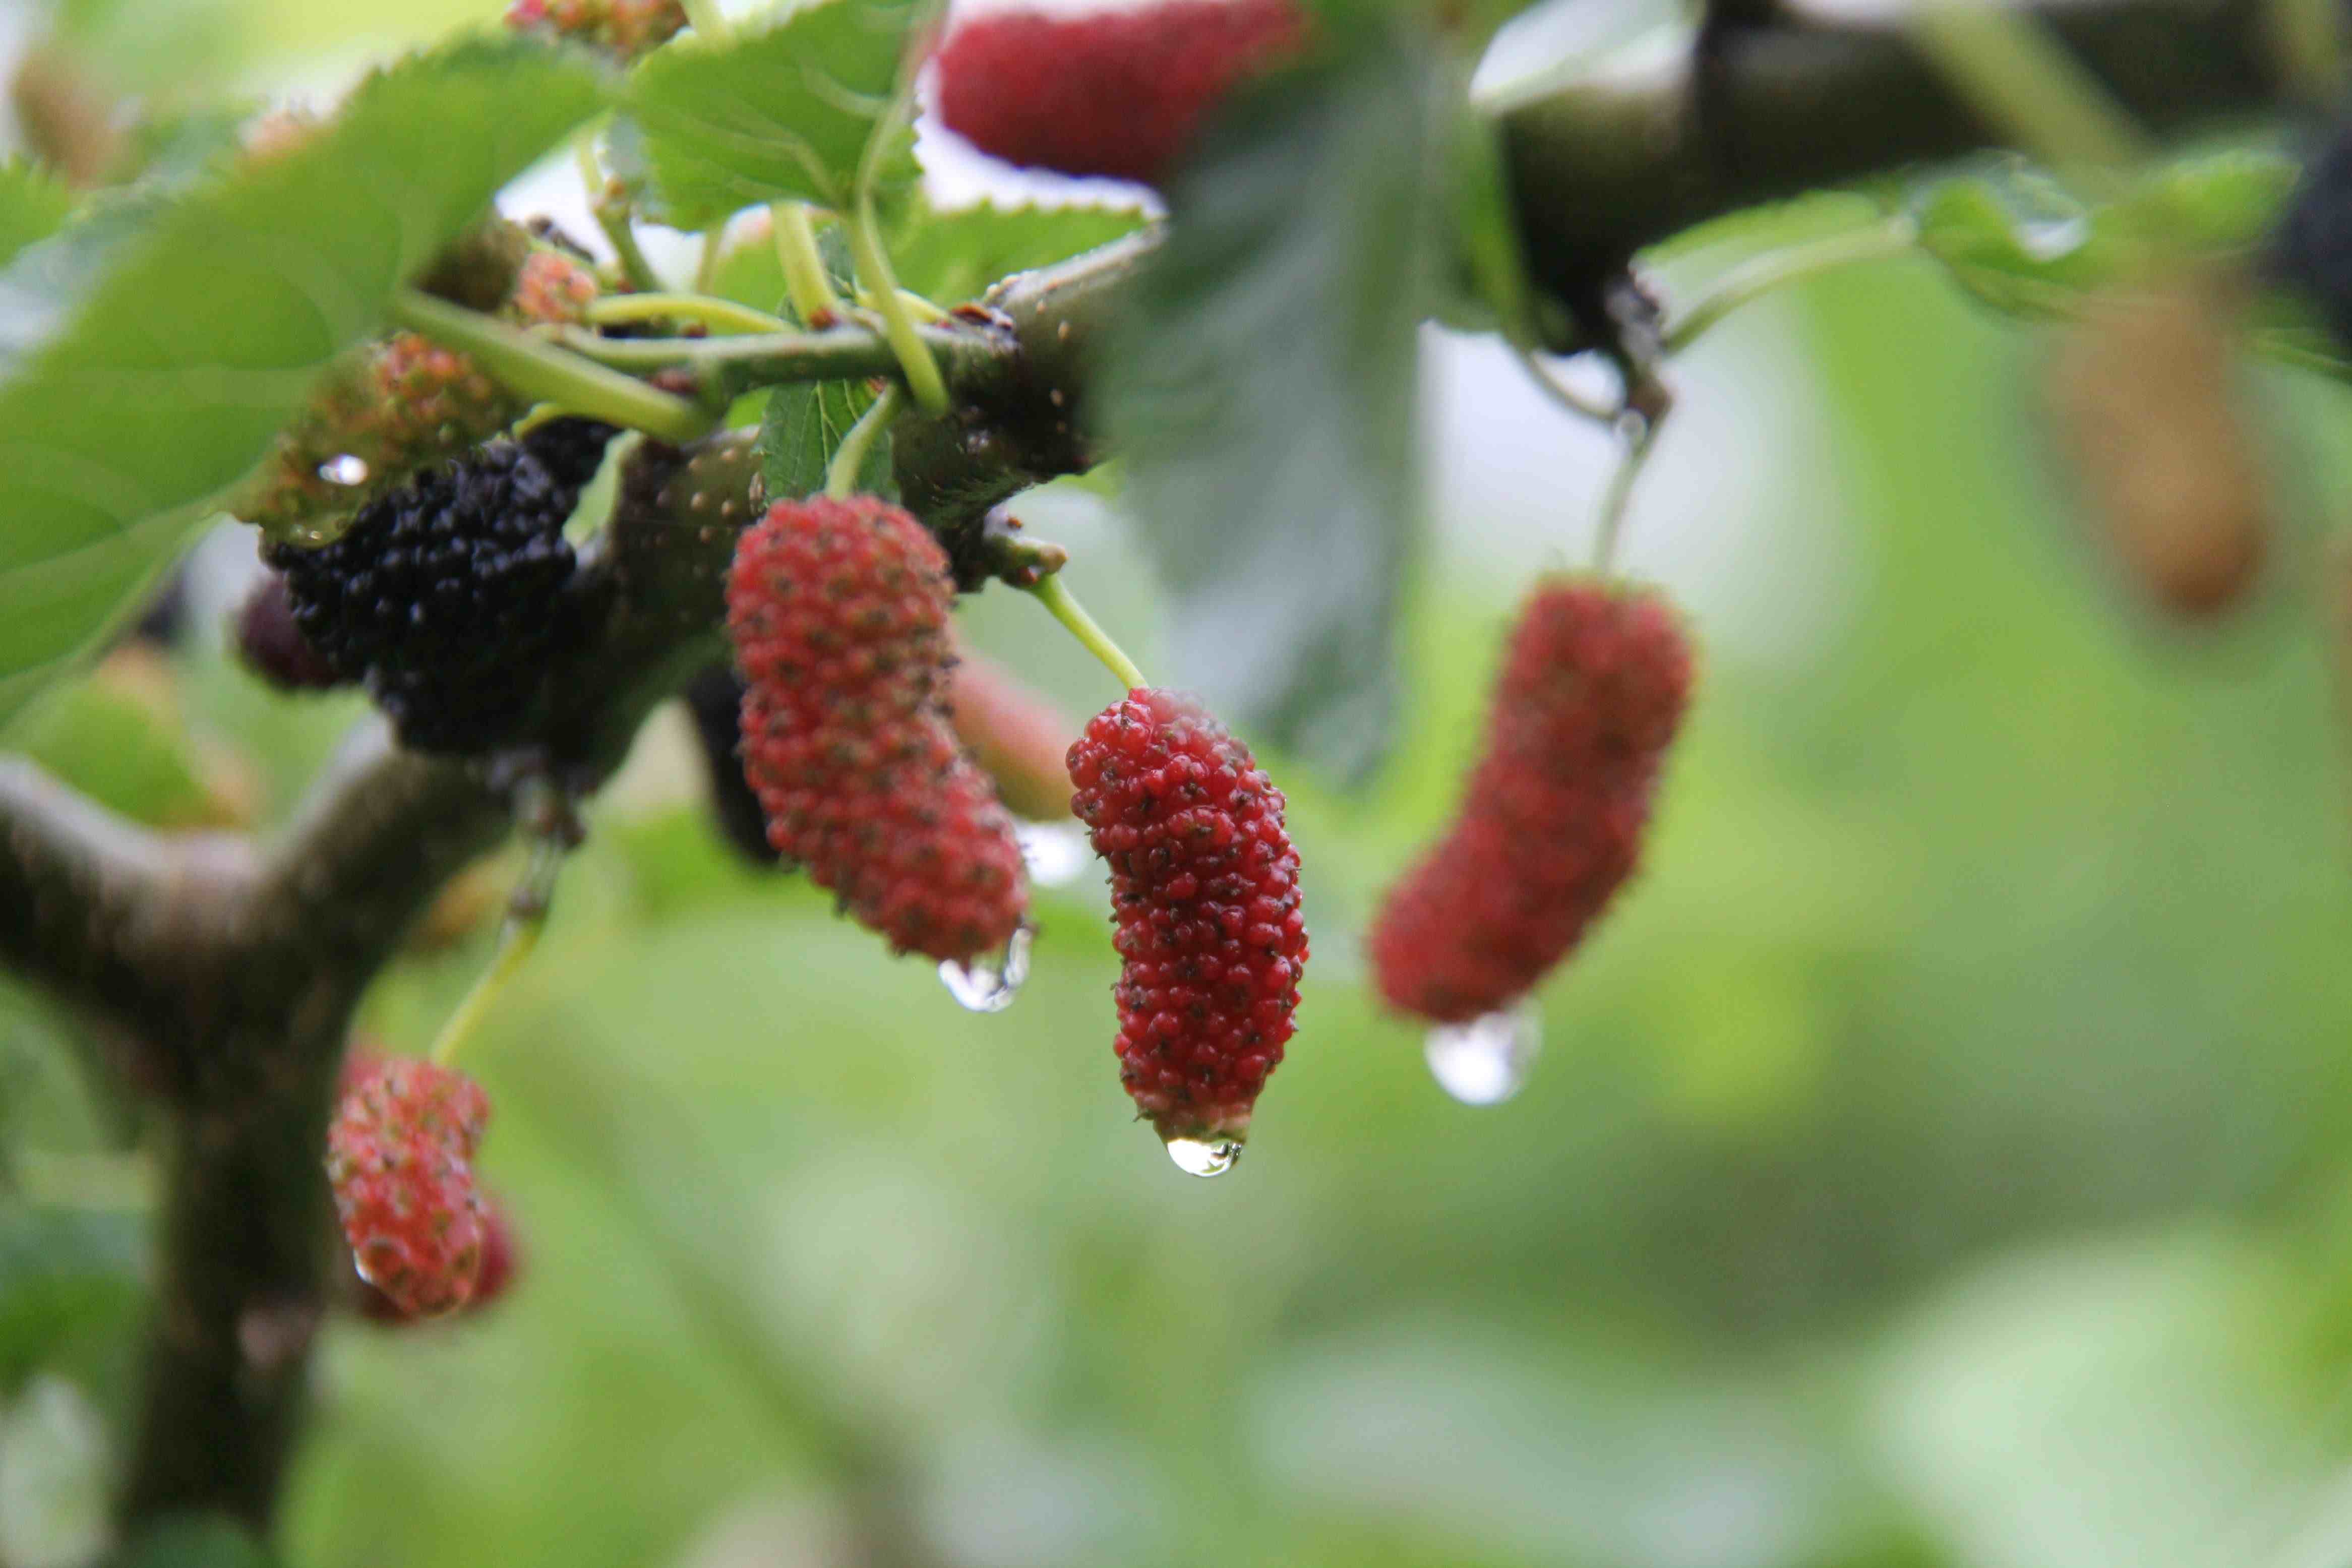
[
  {"x": 273, "y": 647},
  {"x": 1121, "y": 93},
  {"x": 445, "y": 597},
  {"x": 1015, "y": 734},
  {"x": 400, "y": 1158},
  {"x": 501, "y": 1261},
  {"x": 1204, "y": 908},
  {"x": 838, "y": 610},
  {"x": 2145, "y": 410},
  {"x": 1595, "y": 683},
  {"x": 626, "y": 28}
]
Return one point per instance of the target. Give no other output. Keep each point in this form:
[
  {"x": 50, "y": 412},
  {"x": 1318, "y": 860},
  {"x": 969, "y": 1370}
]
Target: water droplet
[
  {"x": 1056, "y": 852},
  {"x": 1204, "y": 1156},
  {"x": 346, "y": 470},
  {"x": 990, "y": 983},
  {"x": 1486, "y": 1060}
]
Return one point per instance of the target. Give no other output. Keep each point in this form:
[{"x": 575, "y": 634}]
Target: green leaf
[
  {"x": 193, "y": 1540},
  {"x": 34, "y": 204},
  {"x": 955, "y": 254},
  {"x": 1261, "y": 385},
  {"x": 173, "y": 374},
  {"x": 2019, "y": 244},
  {"x": 781, "y": 112},
  {"x": 805, "y": 422},
  {"x": 63, "y": 1272}
]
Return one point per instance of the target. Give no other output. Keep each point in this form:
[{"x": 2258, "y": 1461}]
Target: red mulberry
[
  {"x": 399, "y": 1154},
  {"x": 1593, "y": 687},
  {"x": 838, "y": 610},
  {"x": 501, "y": 1261},
  {"x": 1121, "y": 93},
  {"x": 1204, "y": 898}
]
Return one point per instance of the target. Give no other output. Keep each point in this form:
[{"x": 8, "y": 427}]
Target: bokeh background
[{"x": 1939, "y": 1160}]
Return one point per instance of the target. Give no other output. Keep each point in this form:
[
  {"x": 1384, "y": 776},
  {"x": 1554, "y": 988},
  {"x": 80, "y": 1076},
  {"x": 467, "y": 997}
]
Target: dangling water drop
[
  {"x": 1055, "y": 852},
  {"x": 1486, "y": 1060},
  {"x": 990, "y": 983},
  {"x": 347, "y": 470},
  {"x": 1204, "y": 1156}
]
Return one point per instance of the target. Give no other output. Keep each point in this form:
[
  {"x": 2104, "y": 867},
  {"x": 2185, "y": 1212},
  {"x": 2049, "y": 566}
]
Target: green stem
[
  {"x": 807, "y": 284},
  {"x": 924, "y": 311},
  {"x": 2024, "y": 81},
  {"x": 706, "y": 265},
  {"x": 739, "y": 364},
  {"x": 705, "y": 309},
  {"x": 611, "y": 215},
  {"x": 517, "y": 937},
  {"x": 1559, "y": 391},
  {"x": 1089, "y": 633},
  {"x": 900, "y": 327},
  {"x": 1641, "y": 435},
  {"x": 841, "y": 474},
  {"x": 539, "y": 369},
  {"x": 527, "y": 909},
  {"x": 872, "y": 261},
  {"x": 1767, "y": 274}
]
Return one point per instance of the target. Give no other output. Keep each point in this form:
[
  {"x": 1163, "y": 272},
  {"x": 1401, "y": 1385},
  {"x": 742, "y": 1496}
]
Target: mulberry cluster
[
  {"x": 1119, "y": 93},
  {"x": 1205, "y": 900},
  {"x": 838, "y": 610},
  {"x": 273, "y": 647},
  {"x": 1017, "y": 736},
  {"x": 445, "y": 596},
  {"x": 627, "y": 28},
  {"x": 400, "y": 1157},
  {"x": 1595, "y": 683}
]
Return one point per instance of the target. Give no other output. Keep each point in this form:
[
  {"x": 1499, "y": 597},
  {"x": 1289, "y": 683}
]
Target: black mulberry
[{"x": 445, "y": 596}]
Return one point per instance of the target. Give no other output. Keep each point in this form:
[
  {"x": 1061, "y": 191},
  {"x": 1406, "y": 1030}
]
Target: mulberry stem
[
  {"x": 1066, "y": 609},
  {"x": 806, "y": 282},
  {"x": 705, "y": 309},
  {"x": 1767, "y": 274},
  {"x": 527, "y": 909},
  {"x": 539, "y": 370},
  {"x": 841, "y": 474},
  {"x": 1639, "y": 434},
  {"x": 873, "y": 261},
  {"x": 2026, "y": 84}
]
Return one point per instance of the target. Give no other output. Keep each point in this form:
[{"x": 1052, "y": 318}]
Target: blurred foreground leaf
[{"x": 1261, "y": 387}]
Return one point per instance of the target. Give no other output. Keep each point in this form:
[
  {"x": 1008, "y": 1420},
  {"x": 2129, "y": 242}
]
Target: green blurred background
[{"x": 1938, "y": 1158}]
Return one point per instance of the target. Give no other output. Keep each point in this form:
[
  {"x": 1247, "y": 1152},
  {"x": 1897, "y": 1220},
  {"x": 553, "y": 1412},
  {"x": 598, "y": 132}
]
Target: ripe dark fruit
[
  {"x": 2145, "y": 409},
  {"x": 1121, "y": 93},
  {"x": 1204, "y": 907},
  {"x": 445, "y": 596},
  {"x": 274, "y": 647},
  {"x": 400, "y": 1158},
  {"x": 1595, "y": 683},
  {"x": 716, "y": 700},
  {"x": 838, "y": 610},
  {"x": 570, "y": 450},
  {"x": 2313, "y": 251}
]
